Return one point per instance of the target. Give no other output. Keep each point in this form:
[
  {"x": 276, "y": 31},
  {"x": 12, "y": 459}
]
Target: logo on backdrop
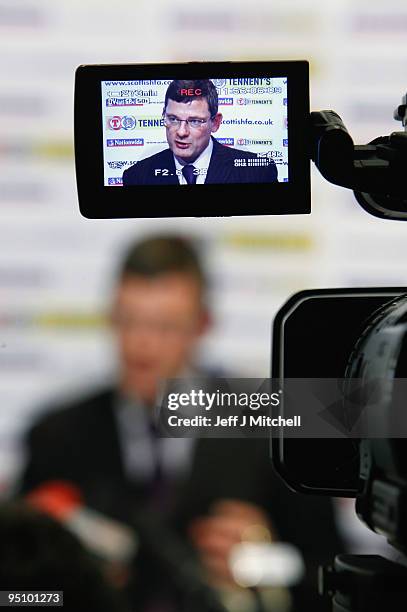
[
  {"x": 219, "y": 82},
  {"x": 229, "y": 142},
  {"x": 128, "y": 122},
  {"x": 125, "y": 142},
  {"x": 245, "y": 101}
]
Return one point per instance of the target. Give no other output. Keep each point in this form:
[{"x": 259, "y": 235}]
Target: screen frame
[
  {"x": 97, "y": 201},
  {"x": 292, "y": 459}
]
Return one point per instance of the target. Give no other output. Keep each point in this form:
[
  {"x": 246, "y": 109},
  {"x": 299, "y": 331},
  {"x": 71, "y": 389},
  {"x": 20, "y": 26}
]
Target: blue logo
[
  {"x": 119, "y": 165},
  {"x": 285, "y": 180},
  {"x": 225, "y": 101},
  {"x": 285, "y": 142},
  {"x": 115, "y": 180},
  {"x": 125, "y": 102},
  {"x": 128, "y": 122},
  {"x": 229, "y": 142},
  {"x": 285, "y": 100},
  {"x": 125, "y": 142}
]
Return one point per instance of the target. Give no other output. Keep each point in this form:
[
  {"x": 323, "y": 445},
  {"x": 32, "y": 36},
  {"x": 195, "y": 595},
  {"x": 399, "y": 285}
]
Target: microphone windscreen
[{"x": 57, "y": 498}]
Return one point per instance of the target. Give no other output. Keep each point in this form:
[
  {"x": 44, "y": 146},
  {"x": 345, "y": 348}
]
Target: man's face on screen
[
  {"x": 185, "y": 141},
  {"x": 158, "y": 322}
]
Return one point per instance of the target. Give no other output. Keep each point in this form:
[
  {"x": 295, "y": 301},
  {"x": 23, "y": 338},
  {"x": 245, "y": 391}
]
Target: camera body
[
  {"x": 357, "y": 336},
  {"x": 225, "y": 138}
]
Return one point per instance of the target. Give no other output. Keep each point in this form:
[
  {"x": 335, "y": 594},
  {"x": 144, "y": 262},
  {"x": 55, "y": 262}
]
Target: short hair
[
  {"x": 208, "y": 91},
  {"x": 155, "y": 256}
]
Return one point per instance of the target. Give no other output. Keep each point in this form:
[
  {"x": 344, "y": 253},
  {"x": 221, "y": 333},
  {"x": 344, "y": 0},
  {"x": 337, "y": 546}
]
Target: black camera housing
[{"x": 314, "y": 336}]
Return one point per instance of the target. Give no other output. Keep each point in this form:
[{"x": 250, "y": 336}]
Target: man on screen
[{"x": 194, "y": 156}]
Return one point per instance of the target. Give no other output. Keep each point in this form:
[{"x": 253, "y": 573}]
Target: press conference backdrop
[{"x": 56, "y": 267}]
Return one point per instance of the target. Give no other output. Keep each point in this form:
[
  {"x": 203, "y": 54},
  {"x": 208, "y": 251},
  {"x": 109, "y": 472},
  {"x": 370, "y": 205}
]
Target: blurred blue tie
[{"x": 188, "y": 172}]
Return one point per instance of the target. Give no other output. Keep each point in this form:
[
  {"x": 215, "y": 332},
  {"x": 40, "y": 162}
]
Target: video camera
[
  {"x": 245, "y": 125},
  {"x": 140, "y": 127},
  {"x": 357, "y": 338}
]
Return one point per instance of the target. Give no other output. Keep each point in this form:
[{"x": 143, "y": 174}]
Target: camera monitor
[{"x": 195, "y": 139}]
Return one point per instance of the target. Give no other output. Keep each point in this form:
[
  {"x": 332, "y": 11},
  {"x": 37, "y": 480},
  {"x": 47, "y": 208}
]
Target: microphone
[
  {"x": 114, "y": 542},
  {"x": 105, "y": 537},
  {"x": 175, "y": 559}
]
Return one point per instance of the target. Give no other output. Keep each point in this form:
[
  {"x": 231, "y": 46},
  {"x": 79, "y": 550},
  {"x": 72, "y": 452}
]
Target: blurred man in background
[{"x": 210, "y": 492}]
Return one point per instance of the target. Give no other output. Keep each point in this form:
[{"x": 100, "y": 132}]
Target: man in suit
[
  {"x": 194, "y": 156},
  {"x": 209, "y": 491}
]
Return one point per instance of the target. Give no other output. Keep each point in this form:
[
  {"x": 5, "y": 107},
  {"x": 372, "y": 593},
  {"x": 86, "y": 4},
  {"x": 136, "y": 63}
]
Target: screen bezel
[
  {"x": 317, "y": 466},
  {"x": 97, "y": 201}
]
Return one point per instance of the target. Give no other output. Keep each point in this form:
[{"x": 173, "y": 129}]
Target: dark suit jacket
[
  {"x": 221, "y": 168},
  {"x": 80, "y": 444}
]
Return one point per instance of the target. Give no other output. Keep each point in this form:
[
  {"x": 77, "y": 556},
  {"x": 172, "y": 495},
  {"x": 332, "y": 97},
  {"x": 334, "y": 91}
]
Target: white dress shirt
[{"x": 201, "y": 163}]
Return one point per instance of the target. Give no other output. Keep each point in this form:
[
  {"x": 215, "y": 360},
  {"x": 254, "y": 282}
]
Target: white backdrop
[{"x": 56, "y": 267}]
